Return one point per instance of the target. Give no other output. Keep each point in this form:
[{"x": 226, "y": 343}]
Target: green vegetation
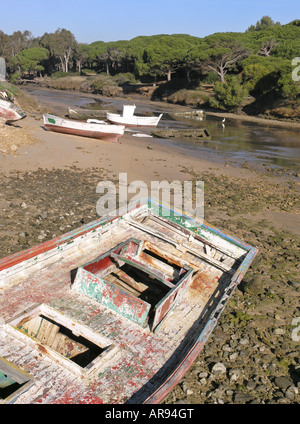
[
  {"x": 230, "y": 95},
  {"x": 250, "y": 71}
]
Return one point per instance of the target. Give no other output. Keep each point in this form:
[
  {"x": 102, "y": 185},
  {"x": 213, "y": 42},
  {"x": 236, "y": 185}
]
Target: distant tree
[
  {"x": 296, "y": 22},
  {"x": 254, "y": 69},
  {"x": 81, "y": 55},
  {"x": 11, "y": 45},
  {"x": 19, "y": 41},
  {"x": 230, "y": 95},
  {"x": 4, "y": 39},
  {"x": 166, "y": 53},
  {"x": 286, "y": 87},
  {"x": 265, "y": 23},
  {"x": 30, "y": 60},
  {"x": 267, "y": 47},
  {"x": 220, "y": 53},
  {"x": 109, "y": 56},
  {"x": 61, "y": 45}
]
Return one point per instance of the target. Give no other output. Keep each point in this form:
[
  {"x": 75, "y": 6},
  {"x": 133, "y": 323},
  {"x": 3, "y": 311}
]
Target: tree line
[{"x": 241, "y": 60}]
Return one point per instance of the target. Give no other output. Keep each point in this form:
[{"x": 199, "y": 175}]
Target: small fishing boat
[
  {"x": 10, "y": 111},
  {"x": 128, "y": 118},
  {"x": 115, "y": 311},
  {"x": 92, "y": 128},
  {"x": 182, "y": 134}
]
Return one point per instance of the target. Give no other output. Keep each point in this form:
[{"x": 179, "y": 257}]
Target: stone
[
  {"x": 181, "y": 402},
  {"x": 244, "y": 341},
  {"x": 283, "y": 382},
  {"x": 262, "y": 388},
  {"x": 251, "y": 385},
  {"x": 241, "y": 397},
  {"x": 234, "y": 377},
  {"x": 233, "y": 356},
  {"x": 254, "y": 286},
  {"x": 226, "y": 348},
  {"x": 218, "y": 369},
  {"x": 290, "y": 393},
  {"x": 279, "y": 331}
]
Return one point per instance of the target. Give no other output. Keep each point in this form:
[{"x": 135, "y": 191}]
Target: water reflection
[
  {"x": 244, "y": 140},
  {"x": 238, "y": 141}
]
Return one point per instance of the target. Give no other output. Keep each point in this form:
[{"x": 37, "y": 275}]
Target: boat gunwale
[
  {"x": 68, "y": 237},
  {"x": 168, "y": 385}
]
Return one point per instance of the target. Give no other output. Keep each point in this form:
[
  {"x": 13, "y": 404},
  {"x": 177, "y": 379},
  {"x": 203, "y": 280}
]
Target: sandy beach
[
  {"x": 29, "y": 147},
  {"x": 48, "y": 187}
]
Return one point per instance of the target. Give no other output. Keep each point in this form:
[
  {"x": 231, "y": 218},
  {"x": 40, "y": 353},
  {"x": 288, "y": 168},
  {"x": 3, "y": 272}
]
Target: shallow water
[
  {"x": 236, "y": 142},
  {"x": 241, "y": 141}
]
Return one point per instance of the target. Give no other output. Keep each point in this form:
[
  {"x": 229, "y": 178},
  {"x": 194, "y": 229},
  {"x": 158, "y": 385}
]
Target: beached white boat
[
  {"x": 130, "y": 120},
  {"x": 91, "y": 128},
  {"x": 10, "y": 111}
]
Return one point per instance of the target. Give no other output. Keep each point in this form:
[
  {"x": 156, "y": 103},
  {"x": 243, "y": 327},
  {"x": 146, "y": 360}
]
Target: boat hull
[
  {"x": 141, "y": 364},
  {"x": 134, "y": 121},
  {"x": 110, "y": 133},
  {"x": 11, "y": 112}
]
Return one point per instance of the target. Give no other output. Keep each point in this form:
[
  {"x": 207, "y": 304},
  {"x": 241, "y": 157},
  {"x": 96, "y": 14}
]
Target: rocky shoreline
[{"x": 252, "y": 355}]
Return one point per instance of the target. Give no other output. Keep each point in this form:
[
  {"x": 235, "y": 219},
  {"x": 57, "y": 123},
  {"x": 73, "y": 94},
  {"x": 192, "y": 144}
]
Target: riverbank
[
  {"x": 48, "y": 187},
  {"x": 283, "y": 113},
  {"x": 256, "y": 119}
]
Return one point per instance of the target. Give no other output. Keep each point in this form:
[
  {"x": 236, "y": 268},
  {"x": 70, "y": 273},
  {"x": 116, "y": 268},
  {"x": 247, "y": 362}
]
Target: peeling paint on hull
[{"x": 181, "y": 278}]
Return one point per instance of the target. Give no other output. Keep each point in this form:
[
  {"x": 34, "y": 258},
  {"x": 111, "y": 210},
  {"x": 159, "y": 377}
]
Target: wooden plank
[
  {"x": 140, "y": 287},
  {"x": 113, "y": 279},
  {"x": 154, "y": 273},
  {"x": 197, "y": 253},
  {"x": 209, "y": 259}
]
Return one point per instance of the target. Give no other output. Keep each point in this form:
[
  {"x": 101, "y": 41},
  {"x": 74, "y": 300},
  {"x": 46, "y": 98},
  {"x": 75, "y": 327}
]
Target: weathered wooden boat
[
  {"x": 10, "y": 111},
  {"x": 82, "y": 114},
  {"x": 128, "y": 118},
  {"x": 93, "y": 129},
  {"x": 183, "y": 134},
  {"x": 115, "y": 311}
]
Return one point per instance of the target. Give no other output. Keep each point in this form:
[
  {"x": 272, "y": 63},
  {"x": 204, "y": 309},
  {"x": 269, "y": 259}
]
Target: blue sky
[{"x": 112, "y": 20}]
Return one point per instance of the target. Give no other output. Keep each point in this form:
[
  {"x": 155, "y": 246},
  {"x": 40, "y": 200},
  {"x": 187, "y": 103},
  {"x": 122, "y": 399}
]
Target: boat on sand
[
  {"x": 90, "y": 128},
  {"x": 128, "y": 118},
  {"x": 10, "y": 111},
  {"x": 115, "y": 311}
]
